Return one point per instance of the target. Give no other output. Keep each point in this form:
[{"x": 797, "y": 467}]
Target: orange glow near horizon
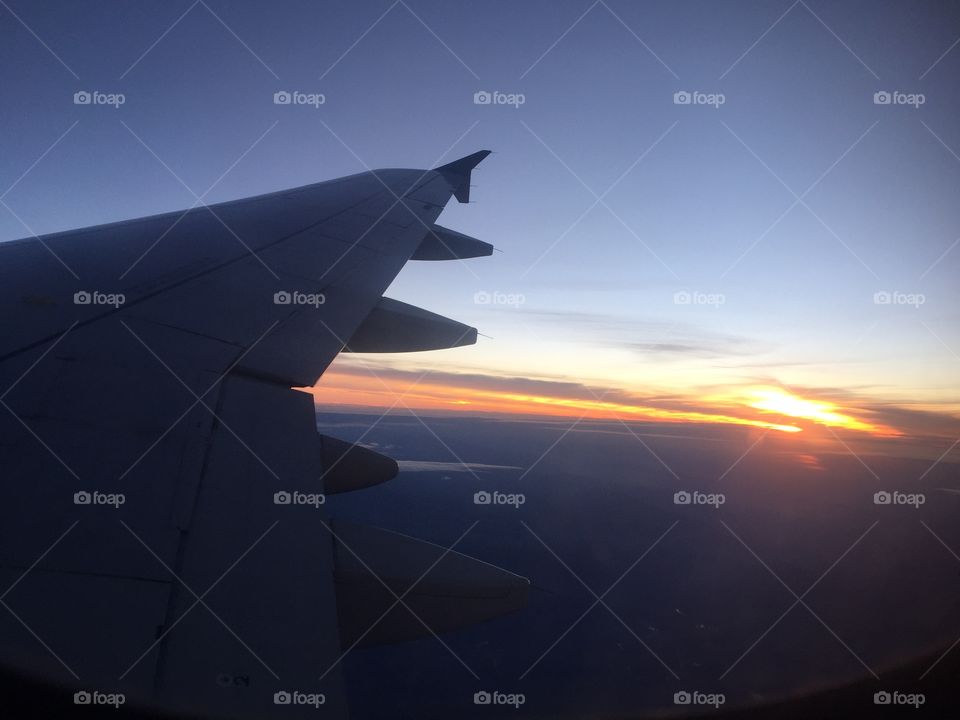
[{"x": 339, "y": 388}]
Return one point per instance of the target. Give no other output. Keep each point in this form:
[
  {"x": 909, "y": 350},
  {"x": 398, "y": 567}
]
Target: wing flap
[{"x": 393, "y": 326}]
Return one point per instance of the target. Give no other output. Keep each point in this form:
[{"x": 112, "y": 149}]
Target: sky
[{"x": 729, "y": 212}]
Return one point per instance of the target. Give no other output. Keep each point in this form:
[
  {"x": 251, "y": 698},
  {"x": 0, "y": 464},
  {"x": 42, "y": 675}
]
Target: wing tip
[{"x": 457, "y": 173}]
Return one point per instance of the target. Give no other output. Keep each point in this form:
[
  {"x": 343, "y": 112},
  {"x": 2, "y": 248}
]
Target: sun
[{"x": 822, "y": 412}]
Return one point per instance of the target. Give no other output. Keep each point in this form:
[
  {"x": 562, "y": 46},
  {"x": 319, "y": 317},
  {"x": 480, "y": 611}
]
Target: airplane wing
[{"x": 162, "y": 527}]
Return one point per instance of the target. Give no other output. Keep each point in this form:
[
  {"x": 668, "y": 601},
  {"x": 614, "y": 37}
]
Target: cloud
[{"x": 652, "y": 337}]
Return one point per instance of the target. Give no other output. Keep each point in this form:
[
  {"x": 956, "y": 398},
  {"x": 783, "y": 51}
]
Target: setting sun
[{"x": 777, "y": 400}]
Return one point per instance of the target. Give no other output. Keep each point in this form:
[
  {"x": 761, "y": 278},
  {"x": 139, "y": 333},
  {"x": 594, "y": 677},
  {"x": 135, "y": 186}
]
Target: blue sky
[{"x": 697, "y": 199}]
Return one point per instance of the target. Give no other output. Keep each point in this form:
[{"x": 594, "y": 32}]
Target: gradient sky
[{"x": 695, "y": 199}]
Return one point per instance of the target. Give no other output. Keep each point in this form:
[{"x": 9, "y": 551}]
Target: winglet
[{"x": 458, "y": 172}]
